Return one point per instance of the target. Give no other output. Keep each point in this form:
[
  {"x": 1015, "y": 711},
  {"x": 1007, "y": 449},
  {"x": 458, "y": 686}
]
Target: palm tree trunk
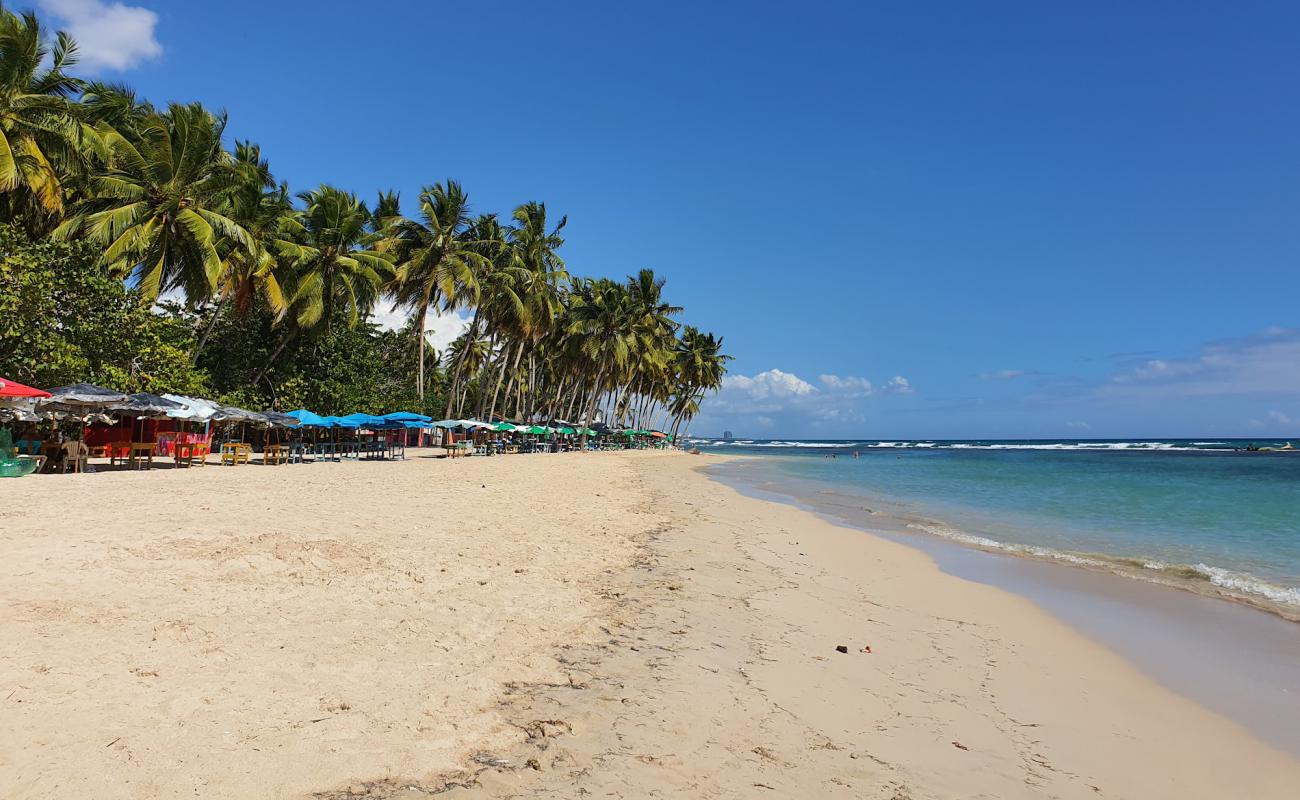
[
  {"x": 470, "y": 335},
  {"x": 591, "y": 408},
  {"x": 270, "y": 361},
  {"x": 207, "y": 331},
  {"x": 419, "y": 334}
]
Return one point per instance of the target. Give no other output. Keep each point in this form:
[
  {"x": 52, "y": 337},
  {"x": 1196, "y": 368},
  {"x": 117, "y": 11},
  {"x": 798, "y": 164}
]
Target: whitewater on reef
[{"x": 1214, "y": 516}]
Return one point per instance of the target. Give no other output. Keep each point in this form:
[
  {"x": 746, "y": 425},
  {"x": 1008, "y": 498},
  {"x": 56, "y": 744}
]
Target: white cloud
[
  {"x": 898, "y": 385},
  {"x": 1264, "y": 363},
  {"x": 1078, "y": 425},
  {"x": 441, "y": 329},
  {"x": 785, "y": 402},
  {"x": 773, "y": 383},
  {"x": 1004, "y": 374},
  {"x": 1279, "y": 417},
  {"x": 109, "y": 35},
  {"x": 860, "y": 387}
]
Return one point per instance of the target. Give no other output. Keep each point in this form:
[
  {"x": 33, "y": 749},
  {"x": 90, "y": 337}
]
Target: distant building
[{"x": 726, "y": 436}]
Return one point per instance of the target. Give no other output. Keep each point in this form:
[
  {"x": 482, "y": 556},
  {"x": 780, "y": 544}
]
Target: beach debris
[
  {"x": 960, "y": 746},
  {"x": 487, "y": 759},
  {"x": 866, "y": 648},
  {"x": 840, "y": 648},
  {"x": 533, "y": 764}
]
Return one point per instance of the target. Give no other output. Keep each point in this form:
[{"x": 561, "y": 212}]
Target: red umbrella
[{"x": 10, "y": 388}]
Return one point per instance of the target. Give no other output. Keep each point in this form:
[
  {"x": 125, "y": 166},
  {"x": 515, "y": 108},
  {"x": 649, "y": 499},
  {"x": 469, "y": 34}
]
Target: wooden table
[
  {"x": 275, "y": 454},
  {"x": 140, "y": 455},
  {"x": 236, "y": 453},
  {"x": 188, "y": 452},
  {"x": 119, "y": 452}
]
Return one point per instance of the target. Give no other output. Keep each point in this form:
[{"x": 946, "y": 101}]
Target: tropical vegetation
[{"x": 139, "y": 249}]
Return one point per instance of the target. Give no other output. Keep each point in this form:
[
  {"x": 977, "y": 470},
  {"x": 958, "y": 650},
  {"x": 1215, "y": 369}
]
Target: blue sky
[{"x": 906, "y": 219}]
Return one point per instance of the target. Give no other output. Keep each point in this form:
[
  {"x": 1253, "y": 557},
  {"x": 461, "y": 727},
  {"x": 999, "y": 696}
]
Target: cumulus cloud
[
  {"x": 110, "y": 35},
  {"x": 781, "y": 400},
  {"x": 898, "y": 385},
  {"x": 1264, "y": 363},
  {"x": 771, "y": 384},
  {"x": 848, "y": 385}
]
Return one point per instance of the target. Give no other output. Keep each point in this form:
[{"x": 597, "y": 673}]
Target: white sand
[{"x": 633, "y": 629}]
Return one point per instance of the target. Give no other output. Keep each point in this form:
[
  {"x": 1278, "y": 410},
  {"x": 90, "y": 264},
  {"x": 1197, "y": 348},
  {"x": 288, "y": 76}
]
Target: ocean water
[{"x": 1174, "y": 511}]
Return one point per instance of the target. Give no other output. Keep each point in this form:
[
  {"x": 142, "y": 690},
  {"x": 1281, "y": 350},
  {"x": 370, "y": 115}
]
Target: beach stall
[
  {"x": 190, "y": 447},
  {"x": 138, "y": 407},
  {"x": 85, "y": 402}
]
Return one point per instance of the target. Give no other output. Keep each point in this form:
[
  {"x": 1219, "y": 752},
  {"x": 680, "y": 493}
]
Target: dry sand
[{"x": 609, "y": 625}]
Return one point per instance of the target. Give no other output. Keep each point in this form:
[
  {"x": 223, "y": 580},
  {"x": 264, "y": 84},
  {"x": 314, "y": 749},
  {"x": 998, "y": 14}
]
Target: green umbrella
[
  {"x": 565, "y": 430},
  {"x": 538, "y": 429},
  {"x": 503, "y": 426}
]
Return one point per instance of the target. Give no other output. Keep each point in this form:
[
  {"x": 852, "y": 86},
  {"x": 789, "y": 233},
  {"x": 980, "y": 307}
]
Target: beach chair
[{"x": 74, "y": 457}]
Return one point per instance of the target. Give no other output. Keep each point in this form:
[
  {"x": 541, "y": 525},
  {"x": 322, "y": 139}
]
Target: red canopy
[{"x": 10, "y": 388}]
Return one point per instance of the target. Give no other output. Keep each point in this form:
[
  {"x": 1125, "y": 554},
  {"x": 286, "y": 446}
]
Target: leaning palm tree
[
  {"x": 41, "y": 138},
  {"x": 436, "y": 258},
  {"x": 159, "y": 208}
]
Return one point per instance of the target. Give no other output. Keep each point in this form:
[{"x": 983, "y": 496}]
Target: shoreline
[
  {"x": 627, "y": 626},
  {"x": 719, "y": 677},
  {"x": 1234, "y": 657},
  {"x": 1209, "y": 582}
]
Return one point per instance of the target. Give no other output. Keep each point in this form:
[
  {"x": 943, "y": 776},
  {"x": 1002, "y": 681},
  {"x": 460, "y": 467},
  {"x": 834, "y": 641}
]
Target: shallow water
[
  {"x": 1176, "y": 509},
  {"x": 1236, "y": 660}
]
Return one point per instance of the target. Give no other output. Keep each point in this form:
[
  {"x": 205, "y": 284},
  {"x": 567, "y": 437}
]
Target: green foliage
[
  {"x": 63, "y": 320},
  {"x": 331, "y": 371},
  {"x": 279, "y": 288}
]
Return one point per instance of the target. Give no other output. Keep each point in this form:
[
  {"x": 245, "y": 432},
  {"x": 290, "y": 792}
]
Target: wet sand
[{"x": 1237, "y": 659}]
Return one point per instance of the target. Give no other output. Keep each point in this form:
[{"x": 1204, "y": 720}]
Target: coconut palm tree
[
  {"x": 338, "y": 268},
  {"x": 436, "y": 259},
  {"x": 41, "y": 138},
  {"x": 601, "y": 322},
  {"x": 159, "y": 208},
  {"x": 700, "y": 365}
]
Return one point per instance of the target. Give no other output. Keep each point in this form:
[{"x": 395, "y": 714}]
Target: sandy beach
[{"x": 603, "y": 625}]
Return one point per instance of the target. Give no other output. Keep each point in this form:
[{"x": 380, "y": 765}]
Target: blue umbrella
[
  {"x": 407, "y": 416},
  {"x": 311, "y": 419},
  {"x": 366, "y": 420},
  {"x": 341, "y": 422}
]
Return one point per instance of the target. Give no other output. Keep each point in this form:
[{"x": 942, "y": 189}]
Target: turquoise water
[{"x": 1188, "y": 509}]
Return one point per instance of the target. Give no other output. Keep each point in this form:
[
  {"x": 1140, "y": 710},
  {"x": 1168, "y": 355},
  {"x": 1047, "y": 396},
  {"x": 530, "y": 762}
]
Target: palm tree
[
  {"x": 40, "y": 135},
  {"x": 262, "y": 208},
  {"x": 339, "y": 269},
  {"x": 158, "y": 209},
  {"x": 436, "y": 258},
  {"x": 601, "y": 322},
  {"x": 700, "y": 366}
]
